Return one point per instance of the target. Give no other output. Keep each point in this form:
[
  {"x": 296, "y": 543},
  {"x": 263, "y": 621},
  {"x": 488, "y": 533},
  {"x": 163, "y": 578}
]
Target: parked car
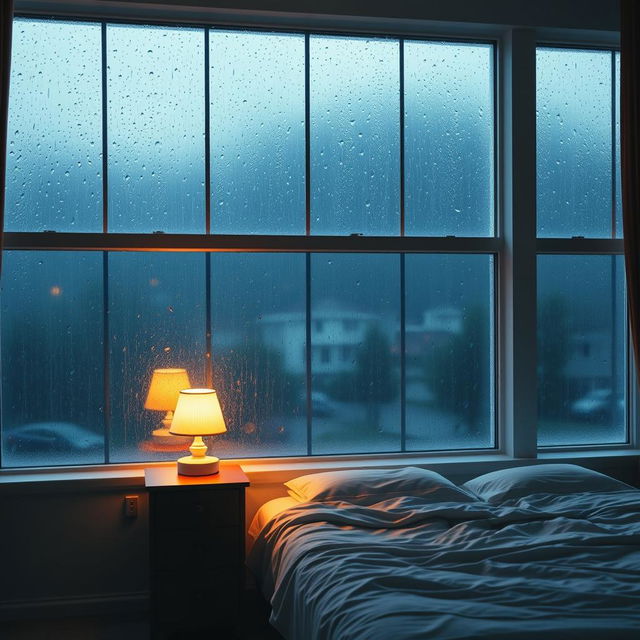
[
  {"x": 321, "y": 405},
  {"x": 51, "y": 437},
  {"x": 597, "y": 404}
]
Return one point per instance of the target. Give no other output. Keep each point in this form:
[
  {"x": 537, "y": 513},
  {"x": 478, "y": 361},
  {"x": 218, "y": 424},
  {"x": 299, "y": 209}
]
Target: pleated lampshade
[{"x": 197, "y": 413}]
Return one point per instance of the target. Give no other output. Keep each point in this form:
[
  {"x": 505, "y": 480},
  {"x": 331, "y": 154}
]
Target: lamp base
[{"x": 202, "y": 466}]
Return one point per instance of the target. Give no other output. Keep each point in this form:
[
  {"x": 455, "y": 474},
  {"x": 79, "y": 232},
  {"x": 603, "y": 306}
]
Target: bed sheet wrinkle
[{"x": 553, "y": 567}]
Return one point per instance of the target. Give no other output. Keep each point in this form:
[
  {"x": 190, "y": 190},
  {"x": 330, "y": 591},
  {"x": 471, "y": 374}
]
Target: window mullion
[
  {"x": 106, "y": 355},
  {"x": 307, "y": 137},
  {"x": 208, "y": 365},
  {"x": 518, "y": 266},
  {"x": 403, "y": 323},
  {"x": 207, "y": 136},
  {"x": 106, "y": 369},
  {"x": 613, "y": 146},
  {"x": 402, "y": 131},
  {"x": 105, "y": 146},
  {"x": 307, "y": 315},
  {"x": 403, "y": 357}
]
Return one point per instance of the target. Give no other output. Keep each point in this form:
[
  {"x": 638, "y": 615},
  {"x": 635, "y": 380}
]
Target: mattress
[{"x": 550, "y": 567}]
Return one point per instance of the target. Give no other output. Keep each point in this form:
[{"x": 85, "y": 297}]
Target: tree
[
  {"x": 553, "y": 354},
  {"x": 253, "y": 386},
  {"x": 456, "y": 370},
  {"x": 374, "y": 379}
]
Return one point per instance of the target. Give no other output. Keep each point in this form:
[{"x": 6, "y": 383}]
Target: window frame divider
[
  {"x": 580, "y": 246},
  {"x": 106, "y": 365},
  {"x": 63, "y": 241},
  {"x": 517, "y": 286}
]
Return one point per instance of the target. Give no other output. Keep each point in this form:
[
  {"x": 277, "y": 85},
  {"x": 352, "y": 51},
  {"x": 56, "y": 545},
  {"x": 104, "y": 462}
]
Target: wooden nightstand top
[{"x": 165, "y": 477}]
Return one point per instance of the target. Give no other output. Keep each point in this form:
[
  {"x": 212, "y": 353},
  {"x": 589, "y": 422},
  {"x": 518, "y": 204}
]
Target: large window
[
  {"x": 330, "y": 157},
  {"x": 582, "y": 338},
  {"x": 309, "y": 223}
]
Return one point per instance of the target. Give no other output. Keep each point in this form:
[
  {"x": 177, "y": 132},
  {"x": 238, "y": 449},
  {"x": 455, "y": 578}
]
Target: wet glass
[
  {"x": 581, "y": 350},
  {"x": 449, "y": 139},
  {"x": 354, "y": 87},
  {"x": 52, "y": 358},
  {"x": 450, "y": 352},
  {"x": 259, "y": 352},
  {"x": 574, "y": 142},
  {"x": 155, "y": 123},
  {"x": 157, "y": 320},
  {"x": 355, "y": 360},
  {"x": 54, "y": 147},
  {"x": 257, "y": 132}
]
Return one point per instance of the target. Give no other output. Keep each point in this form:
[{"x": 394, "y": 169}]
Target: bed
[{"x": 544, "y": 552}]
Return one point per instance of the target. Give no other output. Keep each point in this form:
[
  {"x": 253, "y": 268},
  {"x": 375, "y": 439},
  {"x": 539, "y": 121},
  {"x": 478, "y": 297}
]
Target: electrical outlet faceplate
[{"x": 131, "y": 506}]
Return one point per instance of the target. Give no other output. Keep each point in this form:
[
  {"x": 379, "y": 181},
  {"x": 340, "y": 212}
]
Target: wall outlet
[{"x": 131, "y": 506}]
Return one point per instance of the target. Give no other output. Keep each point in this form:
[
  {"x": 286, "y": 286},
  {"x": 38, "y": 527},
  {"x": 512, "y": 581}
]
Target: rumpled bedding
[{"x": 541, "y": 567}]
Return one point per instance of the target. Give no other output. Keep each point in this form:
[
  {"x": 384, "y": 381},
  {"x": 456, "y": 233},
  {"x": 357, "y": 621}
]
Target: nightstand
[{"x": 196, "y": 544}]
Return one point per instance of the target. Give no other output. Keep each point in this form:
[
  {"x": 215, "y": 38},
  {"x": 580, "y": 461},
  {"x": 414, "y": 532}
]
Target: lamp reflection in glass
[
  {"x": 198, "y": 414},
  {"x": 164, "y": 389}
]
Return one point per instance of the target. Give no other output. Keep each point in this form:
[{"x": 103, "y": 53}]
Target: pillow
[
  {"x": 552, "y": 479},
  {"x": 368, "y": 486}
]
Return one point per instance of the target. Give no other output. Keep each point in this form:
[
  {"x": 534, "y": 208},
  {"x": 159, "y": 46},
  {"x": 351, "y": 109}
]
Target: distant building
[
  {"x": 336, "y": 333},
  {"x": 589, "y": 363},
  {"x": 438, "y": 324}
]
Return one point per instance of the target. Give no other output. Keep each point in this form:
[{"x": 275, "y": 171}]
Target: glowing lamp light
[
  {"x": 198, "y": 414},
  {"x": 164, "y": 389}
]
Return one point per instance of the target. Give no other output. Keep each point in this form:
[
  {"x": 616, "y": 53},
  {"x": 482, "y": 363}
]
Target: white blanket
[{"x": 547, "y": 567}]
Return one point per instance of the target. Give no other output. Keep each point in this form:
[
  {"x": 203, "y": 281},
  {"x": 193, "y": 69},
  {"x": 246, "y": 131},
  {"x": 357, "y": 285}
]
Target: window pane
[
  {"x": 581, "y": 350},
  {"x": 355, "y": 308},
  {"x": 52, "y": 364},
  {"x": 449, "y": 139},
  {"x": 54, "y": 150},
  {"x": 574, "y": 143},
  {"x": 258, "y": 314},
  {"x": 354, "y": 103},
  {"x": 449, "y": 352},
  {"x": 257, "y": 132},
  {"x": 157, "y": 321},
  {"x": 155, "y": 93}
]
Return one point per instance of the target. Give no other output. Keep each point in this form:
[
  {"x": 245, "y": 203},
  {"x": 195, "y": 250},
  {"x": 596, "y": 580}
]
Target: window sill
[
  {"x": 63, "y": 479},
  {"x": 459, "y": 468}
]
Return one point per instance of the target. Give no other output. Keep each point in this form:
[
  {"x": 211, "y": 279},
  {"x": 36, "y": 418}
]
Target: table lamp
[
  {"x": 198, "y": 414},
  {"x": 165, "y": 386}
]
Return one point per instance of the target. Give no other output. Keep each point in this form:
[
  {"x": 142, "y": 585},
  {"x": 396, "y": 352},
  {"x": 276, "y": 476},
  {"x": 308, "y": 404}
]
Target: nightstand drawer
[
  {"x": 181, "y": 597},
  {"x": 193, "y": 509},
  {"x": 175, "y": 549}
]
